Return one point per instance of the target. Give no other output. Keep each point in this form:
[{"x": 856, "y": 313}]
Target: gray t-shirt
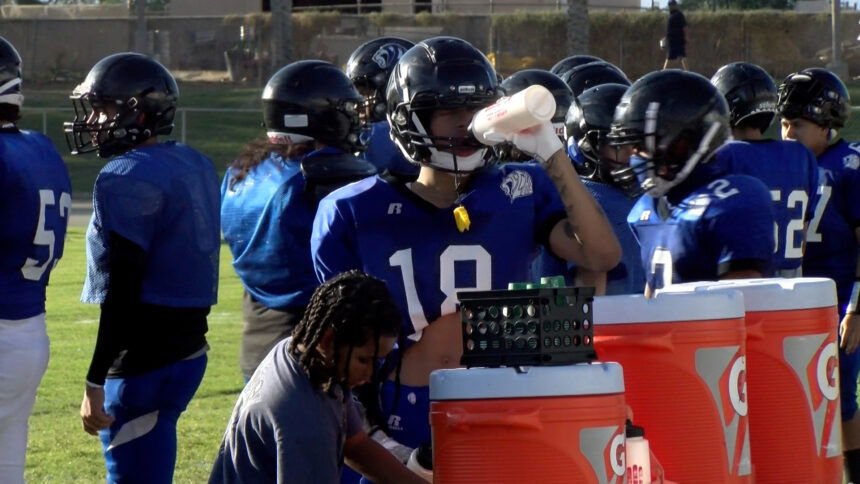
[{"x": 283, "y": 430}]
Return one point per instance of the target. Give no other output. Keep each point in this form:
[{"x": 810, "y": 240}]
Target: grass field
[{"x": 59, "y": 450}]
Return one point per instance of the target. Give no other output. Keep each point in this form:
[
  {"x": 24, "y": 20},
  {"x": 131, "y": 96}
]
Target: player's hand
[
  {"x": 93, "y": 415},
  {"x": 540, "y": 141},
  {"x": 849, "y": 330}
]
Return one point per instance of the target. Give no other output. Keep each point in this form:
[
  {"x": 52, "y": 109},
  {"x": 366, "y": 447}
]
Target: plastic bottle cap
[
  {"x": 540, "y": 102},
  {"x": 632, "y": 431}
]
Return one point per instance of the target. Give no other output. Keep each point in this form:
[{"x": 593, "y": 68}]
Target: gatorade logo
[
  {"x": 603, "y": 447},
  {"x": 723, "y": 369},
  {"x": 815, "y": 361},
  {"x": 738, "y": 386}
]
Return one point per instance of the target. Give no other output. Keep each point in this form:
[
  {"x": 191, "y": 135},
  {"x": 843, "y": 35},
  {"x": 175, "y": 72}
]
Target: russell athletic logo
[
  {"x": 723, "y": 369},
  {"x": 814, "y": 359},
  {"x": 604, "y": 449}
]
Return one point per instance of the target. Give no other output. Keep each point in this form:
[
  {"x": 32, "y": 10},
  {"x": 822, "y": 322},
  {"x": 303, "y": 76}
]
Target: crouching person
[{"x": 295, "y": 421}]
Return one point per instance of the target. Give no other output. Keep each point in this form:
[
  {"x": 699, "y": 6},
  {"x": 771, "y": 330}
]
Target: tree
[
  {"x": 577, "y": 27},
  {"x": 282, "y": 33}
]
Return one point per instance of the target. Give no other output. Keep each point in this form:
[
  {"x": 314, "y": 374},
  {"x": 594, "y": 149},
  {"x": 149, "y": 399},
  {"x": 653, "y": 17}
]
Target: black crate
[{"x": 527, "y": 327}]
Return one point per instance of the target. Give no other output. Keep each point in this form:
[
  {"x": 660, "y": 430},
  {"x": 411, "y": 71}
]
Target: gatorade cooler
[
  {"x": 684, "y": 360},
  {"x": 792, "y": 377},
  {"x": 550, "y": 424}
]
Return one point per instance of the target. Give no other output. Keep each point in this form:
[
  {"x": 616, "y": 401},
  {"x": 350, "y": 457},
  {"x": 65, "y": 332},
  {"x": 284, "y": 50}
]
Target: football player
[
  {"x": 462, "y": 225},
  {"x": 152, "y": 264},
  {"x": 788, "y": 169},
  {"x": 586, "y": 125},
  {"x": 814, "y": 105},
  {"x": 369, "y": 67},
  {"x": 687, "y": 221},
  {"x": 569, "y": 63},
  {"x": 35, "y": 200},
  {"x": 593, "y": 74},
  {"x": 269, "y": 196}
]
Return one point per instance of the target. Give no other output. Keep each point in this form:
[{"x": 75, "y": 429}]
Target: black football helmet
[
  {"x": 569, "y": 63},
  {"x": 520, "y": 80},
  {"x": 125, "y": 99},
  {"x": 586, "y": 125},
  {"x": 750, "y": 92},
  {"x": 438, "y": 73},
  {"x": 10, "y": 74},
  {"x": 675, "y": 120},
  {"x": 815, "y": 94},
  {"x": 369, "y": 67},
  {"x": 312, "y": 100},
  {"x": 593, "y": 74}
]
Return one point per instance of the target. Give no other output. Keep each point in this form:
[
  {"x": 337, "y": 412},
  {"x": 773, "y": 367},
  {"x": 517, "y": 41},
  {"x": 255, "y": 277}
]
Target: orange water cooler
[
  {"x": 792, "y": 377},
  {"x": 551, "y": 424},
  {"x": 684, "y": 366}
]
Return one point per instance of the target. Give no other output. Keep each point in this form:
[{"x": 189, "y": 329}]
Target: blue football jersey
[
  {"x": 386, "y": 230},
  {"x": 266, "y": 219},
  {"x": 831, "y": 245},
  {"x": 35, "y": 201},
  {"x": 384, "y": 154},
  {"x": 790, "y": 172},
  {"x": 727, "y": 219},
  {"x": 625, "y": 278},
  {"x": 164, "y": 198}
]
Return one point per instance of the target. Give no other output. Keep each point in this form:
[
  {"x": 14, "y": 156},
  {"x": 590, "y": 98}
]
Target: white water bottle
[
  {"x": 638, "y": 455},
  {"x": 528, "y": 108},
  {"x": 421, "y": 462}
]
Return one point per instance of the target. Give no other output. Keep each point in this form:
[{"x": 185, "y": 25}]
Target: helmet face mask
[
  {"x": 816, "y": 95},
  {"x": 674, "y": 120},
  {"x": 10, "y": 75},
  {"x": 442, "y": 73},
  {"x": 125, "y": 100}
]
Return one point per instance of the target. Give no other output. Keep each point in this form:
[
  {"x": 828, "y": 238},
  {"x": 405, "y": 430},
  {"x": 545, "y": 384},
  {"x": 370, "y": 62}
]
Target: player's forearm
[
  {"x": 588, "y": 239},
  {"x": 126, "y": 269}
]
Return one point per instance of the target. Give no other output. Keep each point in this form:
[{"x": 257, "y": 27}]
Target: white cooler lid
[
  {"x": 533, "y": 381},
  {"x": 774, "y": 294},
  {"x": 667, "y": 307}
]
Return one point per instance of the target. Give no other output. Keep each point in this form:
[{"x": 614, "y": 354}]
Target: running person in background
[
  {"x": 295, "y": 421},
  {"x": 462, "y": 225},
  {"x": 788, "y": 169},
  {"x": 368, "y": 68},
  {"x": 587, "y": 123},
  {"x": 35, "y": 199},
  {"x": 814, "y": 105},
  {"x": 152, "y": 264},
  {"x": 694, "y": 223},
  {"x": 269, "y": 196}
]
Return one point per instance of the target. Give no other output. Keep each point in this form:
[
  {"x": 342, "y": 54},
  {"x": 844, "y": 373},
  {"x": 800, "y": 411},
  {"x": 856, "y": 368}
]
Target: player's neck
[{"x": 437, "y": 187}]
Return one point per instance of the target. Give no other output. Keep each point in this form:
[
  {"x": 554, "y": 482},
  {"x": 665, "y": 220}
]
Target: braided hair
[{"x": 358, "y": 307}]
